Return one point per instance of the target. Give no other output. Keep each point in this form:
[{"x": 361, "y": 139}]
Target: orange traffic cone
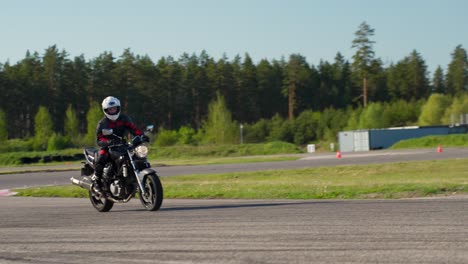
[
  {"x": 338, "y": 154},
  {"x": 439, "y": 149}
]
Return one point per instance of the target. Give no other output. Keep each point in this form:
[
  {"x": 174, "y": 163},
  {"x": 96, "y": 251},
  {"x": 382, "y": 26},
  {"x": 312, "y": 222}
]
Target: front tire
[
  {"x": 101, "y": 204},
  {"x": 154, "y": 192}
]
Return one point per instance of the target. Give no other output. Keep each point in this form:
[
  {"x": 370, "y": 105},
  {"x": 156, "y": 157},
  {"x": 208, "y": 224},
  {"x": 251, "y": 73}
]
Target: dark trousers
[{"x": 102, "y": 159}]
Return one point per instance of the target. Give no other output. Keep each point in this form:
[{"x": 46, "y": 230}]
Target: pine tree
[
  {"x": 270, "y": 99},
  {"x": 248, "y": 92},
  {"x": 417, "y": 76},
  {"x": 148, "y": 90},
  {"x": 296, "y": 77},
  {"x": 54, "y": 64},
  {"x": 23, "y": 80},
  {"x": 377, "y": 89},
  {"x": 396, "y": 81},
  {"x": 3, "y": 126},
  {"x": 457, "y": 72},
  {"x": 438, "y": 82},
  {"x": 342, "y": 80},
  {"x": 363, "y": 56},
  {"x": 408, "y": 78},
  {"x": 327, "y": 90},
  {"x": 196, "y": 86},
  {"x": 124, "y": 77},
  {"x": 102, "y": 83},
  {"x": 222, "y": 77}
]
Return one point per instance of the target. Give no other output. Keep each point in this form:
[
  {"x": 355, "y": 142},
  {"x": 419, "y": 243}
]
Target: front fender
[
  {"x": 145, "y": 172},
  {"x": 141, "y": 175}
]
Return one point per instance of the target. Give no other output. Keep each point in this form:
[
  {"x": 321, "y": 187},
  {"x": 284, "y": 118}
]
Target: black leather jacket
[{"x": 120, "y": 127}]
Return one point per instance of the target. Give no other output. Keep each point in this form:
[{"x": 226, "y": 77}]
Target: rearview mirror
[{"x": 107, "y": 132}]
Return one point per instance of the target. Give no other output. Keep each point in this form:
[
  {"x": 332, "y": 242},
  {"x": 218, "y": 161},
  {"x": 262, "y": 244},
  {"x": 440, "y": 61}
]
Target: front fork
[{"x": 137, "y": 172}]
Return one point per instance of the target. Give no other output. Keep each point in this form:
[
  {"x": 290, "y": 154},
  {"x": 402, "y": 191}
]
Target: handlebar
[{"x": 136, "y": 141}]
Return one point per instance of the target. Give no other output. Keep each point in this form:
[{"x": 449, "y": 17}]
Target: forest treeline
[{"x": 176, "y": 93}]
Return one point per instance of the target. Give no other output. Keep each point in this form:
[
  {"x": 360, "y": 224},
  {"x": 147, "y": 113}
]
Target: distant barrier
[{"x": 51, "y": 158}]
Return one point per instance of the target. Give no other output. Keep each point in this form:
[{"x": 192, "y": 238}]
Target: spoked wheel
[
  {"x": 154, "y": 192},
  {"x": 101, "y": 204}
]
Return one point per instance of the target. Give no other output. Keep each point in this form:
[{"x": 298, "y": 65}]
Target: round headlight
[{"x": 141, "y": 151}]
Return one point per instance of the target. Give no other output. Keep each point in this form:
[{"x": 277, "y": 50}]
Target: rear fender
[
  {"x": 90, "y": 158},
  {"x": 87, "y": 170}
]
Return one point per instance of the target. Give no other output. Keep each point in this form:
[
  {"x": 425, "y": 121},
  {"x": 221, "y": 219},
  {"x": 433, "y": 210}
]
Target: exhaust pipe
[
  {"x": 84, "y": 183},
  {"x": 87, "y": 184},
  {"x": 121, "y": 201}
]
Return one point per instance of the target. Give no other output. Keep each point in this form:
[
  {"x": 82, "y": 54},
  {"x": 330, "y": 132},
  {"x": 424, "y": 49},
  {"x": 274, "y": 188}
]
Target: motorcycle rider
[{"x": 120, "y": 124}]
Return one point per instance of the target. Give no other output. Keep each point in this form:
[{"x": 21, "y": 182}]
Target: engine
[{"x": 117, "y": 189}]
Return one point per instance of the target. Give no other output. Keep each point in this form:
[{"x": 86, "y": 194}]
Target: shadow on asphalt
[
  {"x": 214, "y": 207},
  {"x": 267, "y": 204},
  {"x": 229, "y": 206}
]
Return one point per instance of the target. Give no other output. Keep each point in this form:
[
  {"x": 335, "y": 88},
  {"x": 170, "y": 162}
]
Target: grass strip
[
  {"x": 226, "y": 160},
  {"x": 388, "y": 181}
]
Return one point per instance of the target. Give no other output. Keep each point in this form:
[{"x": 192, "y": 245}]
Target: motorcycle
[{"x": 127, "y": 174}]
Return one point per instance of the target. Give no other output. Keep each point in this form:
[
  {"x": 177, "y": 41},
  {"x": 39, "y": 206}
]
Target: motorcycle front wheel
[
  {"x": 154, "y": 192},
  {"x": 101, "y": 204}
]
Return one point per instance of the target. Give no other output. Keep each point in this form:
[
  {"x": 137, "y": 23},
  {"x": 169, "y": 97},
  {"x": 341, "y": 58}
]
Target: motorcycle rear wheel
[
  {"x": 154, "y": 192},
  {"x": 101, "y": 204}
]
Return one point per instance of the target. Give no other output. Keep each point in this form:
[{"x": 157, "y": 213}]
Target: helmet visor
[{"x": 112, "y": 110}]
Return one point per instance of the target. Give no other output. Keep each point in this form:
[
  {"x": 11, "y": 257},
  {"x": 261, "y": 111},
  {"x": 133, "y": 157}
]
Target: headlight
[{"x": 141, "y": 151}]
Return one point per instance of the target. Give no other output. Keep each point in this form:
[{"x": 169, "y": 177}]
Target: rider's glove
[
  {"x": 114, "y": 142},
  {"x": 110, "y": 142},
  {"x": 145, "y": 138}
]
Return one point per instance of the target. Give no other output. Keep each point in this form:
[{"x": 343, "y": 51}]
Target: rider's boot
[
  {"x": 96, "y": 184},
  {"x": 96, "y": 179}
]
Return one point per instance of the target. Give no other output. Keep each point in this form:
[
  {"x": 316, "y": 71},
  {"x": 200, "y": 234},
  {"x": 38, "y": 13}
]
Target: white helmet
[{"x": 110, "y": 102}]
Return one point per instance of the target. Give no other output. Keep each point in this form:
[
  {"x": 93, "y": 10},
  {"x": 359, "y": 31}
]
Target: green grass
[
  {"x": 53, "y": 191},
  {"x": 392, "y": 180},
  {"x": 222, "y": 160},
  {"x": 455, "y": 140},
  {"x": 203, "y": 151}
]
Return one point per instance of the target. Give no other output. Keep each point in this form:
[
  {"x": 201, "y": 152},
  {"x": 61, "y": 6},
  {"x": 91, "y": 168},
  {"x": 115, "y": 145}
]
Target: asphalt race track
[{"x": 67, "y": 230}]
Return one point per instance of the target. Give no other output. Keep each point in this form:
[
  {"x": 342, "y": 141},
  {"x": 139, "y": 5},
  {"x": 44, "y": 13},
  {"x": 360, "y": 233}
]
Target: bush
[
  {"x": 219, "y": 127},
  {"x": 15, "y": 145},
  {"x": 58, "y": 142},
  {"x": 166, "y": 138},
  {"x": 93, "y": 116},
  {"x": 433, "y": 110},
  {"x": 372, "y": 117},
  {"x": 306, "y": 126},
  {"x": 186, "y": 136},
  {"x": 286, "y": 132},
  {"x": 43, "y": 127},
  {"x": 275, "y": 125},
  {"x": 257, "y": 132}
]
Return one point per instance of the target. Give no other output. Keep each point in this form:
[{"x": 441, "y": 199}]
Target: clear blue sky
[{"x": 317, "y": 29}]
